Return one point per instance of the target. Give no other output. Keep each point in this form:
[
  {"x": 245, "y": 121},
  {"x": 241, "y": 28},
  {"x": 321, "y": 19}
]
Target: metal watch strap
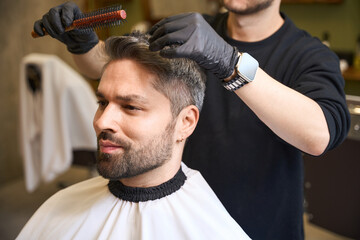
[
  {"x": 245, "y": 70},
  {"x": 235, "y": 83}
]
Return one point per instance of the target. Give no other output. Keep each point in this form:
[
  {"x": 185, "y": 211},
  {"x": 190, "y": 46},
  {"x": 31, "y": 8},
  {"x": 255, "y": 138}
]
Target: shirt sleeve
[{"x": 320, "y": 78}]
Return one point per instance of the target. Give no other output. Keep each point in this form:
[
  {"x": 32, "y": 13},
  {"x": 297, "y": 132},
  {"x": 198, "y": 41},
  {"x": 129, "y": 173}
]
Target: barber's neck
[{"x": 254, "y": 27}]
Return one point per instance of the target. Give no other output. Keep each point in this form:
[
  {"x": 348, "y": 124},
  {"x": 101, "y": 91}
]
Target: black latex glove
[
  {"x": 198, "y": 41},
  {"x": 60, "y": 17}
]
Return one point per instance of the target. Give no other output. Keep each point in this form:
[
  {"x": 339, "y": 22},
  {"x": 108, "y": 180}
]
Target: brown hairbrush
[{"x": 106, "y": 17}]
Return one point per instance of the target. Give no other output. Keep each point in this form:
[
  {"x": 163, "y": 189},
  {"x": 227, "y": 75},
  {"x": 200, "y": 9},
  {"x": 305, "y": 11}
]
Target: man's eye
[
  {"x": 101, "y": 103},
  {"x": 131, "y": 107}
]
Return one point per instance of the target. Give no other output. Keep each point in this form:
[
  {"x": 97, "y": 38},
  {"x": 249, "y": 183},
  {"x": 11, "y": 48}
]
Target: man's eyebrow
[
  {"x": 125, "y": 98},
  {"x": 99, "y": 94},
  {"x": 132, "y": 97}
]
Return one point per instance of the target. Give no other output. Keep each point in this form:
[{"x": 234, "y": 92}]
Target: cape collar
[{"x": 134, "y": 194}]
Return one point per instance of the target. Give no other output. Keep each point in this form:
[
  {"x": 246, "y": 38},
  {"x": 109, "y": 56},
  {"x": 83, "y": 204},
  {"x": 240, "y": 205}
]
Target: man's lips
[{"x": 106, "y": 146}]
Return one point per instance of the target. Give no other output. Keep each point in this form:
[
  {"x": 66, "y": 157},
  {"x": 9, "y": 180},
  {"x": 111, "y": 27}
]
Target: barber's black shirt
[{"x": 256, "y": 175}]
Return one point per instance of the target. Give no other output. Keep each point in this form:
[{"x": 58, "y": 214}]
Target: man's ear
[{"x": 186, "y": 122}]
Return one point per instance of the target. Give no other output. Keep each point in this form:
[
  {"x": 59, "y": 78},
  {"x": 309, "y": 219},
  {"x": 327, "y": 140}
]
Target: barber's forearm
[
  {"x": 294, "y": 117},
  {"x": 91, "y": 63}
]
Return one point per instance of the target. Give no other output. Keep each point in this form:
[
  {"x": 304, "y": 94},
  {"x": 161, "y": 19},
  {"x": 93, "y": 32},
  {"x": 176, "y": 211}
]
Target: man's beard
[
  {"x": 249, "y": 10},
  {"x": 135, "y": 161}
]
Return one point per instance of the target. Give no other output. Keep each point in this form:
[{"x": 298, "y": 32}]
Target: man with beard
[
  {"x": 148, "y": 107},
  {"x": 283, "y": 95}
]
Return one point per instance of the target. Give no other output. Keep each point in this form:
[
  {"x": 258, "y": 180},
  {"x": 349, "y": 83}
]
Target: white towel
[{"x": 55, "y": 120}]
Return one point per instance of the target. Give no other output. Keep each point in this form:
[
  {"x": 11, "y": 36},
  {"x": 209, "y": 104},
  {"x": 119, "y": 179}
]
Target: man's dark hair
[{"x": 181, "y": 80}]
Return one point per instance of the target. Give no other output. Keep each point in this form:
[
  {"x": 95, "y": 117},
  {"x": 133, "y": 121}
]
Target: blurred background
[{"x": 335, "y": 22}]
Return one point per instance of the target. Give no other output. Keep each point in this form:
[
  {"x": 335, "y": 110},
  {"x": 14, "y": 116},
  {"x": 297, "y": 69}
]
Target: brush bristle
[{"x": 106, "y": 17}]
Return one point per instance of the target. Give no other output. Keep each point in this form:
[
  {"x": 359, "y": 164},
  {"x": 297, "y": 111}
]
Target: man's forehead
[
  {"x": 128, "y": 76},
  {"x": 127, "y": 69},
  {"x": 124, "y": 64}
]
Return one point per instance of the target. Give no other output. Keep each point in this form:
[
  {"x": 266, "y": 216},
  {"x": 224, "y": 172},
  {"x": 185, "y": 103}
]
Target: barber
[{"x": 273, "y": 93}]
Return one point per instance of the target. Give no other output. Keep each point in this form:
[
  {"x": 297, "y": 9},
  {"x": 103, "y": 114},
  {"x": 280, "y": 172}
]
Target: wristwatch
[{"x": 245, "y": 69}]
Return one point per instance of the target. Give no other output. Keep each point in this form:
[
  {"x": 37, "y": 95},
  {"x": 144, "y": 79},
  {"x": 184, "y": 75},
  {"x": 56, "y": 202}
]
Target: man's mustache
[{"x": 112, "y": 138}]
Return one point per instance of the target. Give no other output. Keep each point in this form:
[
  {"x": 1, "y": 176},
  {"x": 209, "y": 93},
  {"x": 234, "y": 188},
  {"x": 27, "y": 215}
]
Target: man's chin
[
  {"x": 108, "y": 170},
  {"x": 103, "y": 157}
]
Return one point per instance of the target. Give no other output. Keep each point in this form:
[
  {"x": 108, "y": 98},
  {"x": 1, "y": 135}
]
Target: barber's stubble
[{"x": 253, "y": 6}]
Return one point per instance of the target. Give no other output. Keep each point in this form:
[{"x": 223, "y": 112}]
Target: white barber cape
[
  {"x": 55, "y": 120},
  {"x": 90, "y": 210}
]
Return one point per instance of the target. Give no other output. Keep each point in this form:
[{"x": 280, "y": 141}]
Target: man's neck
[
  {"x": 154, "y": 177},
  {"x": 255, "y": 27},
  {"x": 158, "y": 175}
]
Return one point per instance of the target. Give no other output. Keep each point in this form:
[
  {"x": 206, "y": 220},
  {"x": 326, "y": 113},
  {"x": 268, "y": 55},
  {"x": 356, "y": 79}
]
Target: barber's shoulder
[
  {"x": 213, "y": 19},
  {"x": 208, "y": 18}
]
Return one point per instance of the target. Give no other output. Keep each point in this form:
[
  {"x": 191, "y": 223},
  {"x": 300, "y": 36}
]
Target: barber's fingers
[
  {"x": 52, "y": 23},
  {"x": 39, "y": 28},
  {"x": 69, "y": 12},
  {"x": 179, "y": 17},
  {"x": 167, "y": 29},
  {"x": 182, "y": 49},
  {"x": 57, "y": 19},
  {"x": 177, "y": 35}
]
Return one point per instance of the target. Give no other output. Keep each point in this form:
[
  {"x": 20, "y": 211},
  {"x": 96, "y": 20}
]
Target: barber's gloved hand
[
  {"x": 60, "y": 17},
  {"x": 198, "y": 41}
]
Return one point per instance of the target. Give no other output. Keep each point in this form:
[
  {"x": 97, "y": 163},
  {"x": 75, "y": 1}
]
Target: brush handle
[{"x": 92, "y": 22}]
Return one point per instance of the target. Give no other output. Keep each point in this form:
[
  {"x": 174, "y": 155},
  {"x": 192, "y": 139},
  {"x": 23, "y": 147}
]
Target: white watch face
[{"x": 247, "y": 67}]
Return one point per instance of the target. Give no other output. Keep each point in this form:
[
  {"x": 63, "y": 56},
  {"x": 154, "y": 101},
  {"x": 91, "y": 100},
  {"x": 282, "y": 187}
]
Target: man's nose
[{"x": 106, "y": 119}]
